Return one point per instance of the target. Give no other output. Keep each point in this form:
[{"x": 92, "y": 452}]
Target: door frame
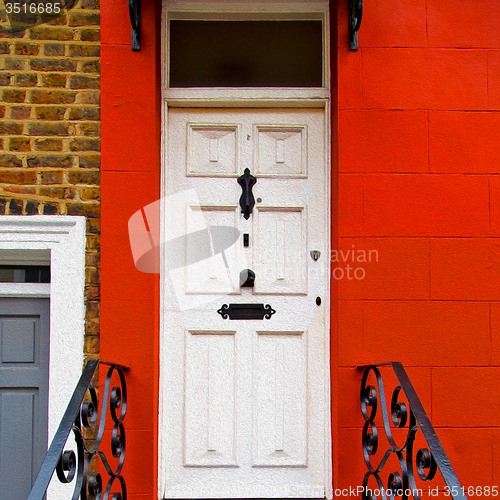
[
  {"x": 290, "y": 97},
  {"x": 60, "y": 241}
]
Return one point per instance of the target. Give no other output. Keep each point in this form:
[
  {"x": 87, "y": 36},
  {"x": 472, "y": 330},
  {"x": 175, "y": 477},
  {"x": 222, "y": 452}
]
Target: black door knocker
[{"x": 247, "y": 201}]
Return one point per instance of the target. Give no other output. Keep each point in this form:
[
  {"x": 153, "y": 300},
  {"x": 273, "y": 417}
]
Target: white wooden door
[{"x": 245, "y": 403}]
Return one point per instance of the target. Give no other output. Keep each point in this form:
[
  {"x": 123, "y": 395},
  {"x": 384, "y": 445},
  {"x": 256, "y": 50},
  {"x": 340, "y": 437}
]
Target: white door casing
[
  {"x": 245, "y": 404},
  {"x": 60, "y": 241}
]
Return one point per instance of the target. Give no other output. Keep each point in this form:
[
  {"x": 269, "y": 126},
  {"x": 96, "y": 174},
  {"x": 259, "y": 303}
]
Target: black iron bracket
[
  {"x": 355, "y": 15},
  {"x": 247, "y": 200},
  {"x": 134, "y": 8},
  {"x": 246, "y": 311}
]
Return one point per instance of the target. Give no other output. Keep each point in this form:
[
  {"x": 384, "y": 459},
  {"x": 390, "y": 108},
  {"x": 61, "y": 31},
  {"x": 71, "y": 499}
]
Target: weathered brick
[
  {"x": 62, "y": 193},
  {"x": 91, "y": 344},
  {"x": 48, "y": 144},
  {"x": 14, "y": 64},
  {"x": 51, "y": 161},
  {"x": 93, "y": 308},
  {"x": 54, "y": 49},
  {"x": 52, "y": 97},
  {"x": 16, "y": 207},
  {"x": 92, "y": 259},
  {"x": 91, "y": 161},
  {"x": 88, "y": 210},
  {"x": 90, "y": 129},
  {"x": 32, "y": 208},
  {"x": 91, "y": 275},
  {"x": 91, "y": 66},
  {"x": 2, "y": 111},
  {"x": 84, "y": 19},
  {"x": 55, "y": 21},
  {"x": 93, "y": 242},
  {"x": 84, "y": 114},
  {"x": 86, "y": 177},
  {"x": 54, "y": 80},
  {"x": 23, "y": 19},
  {"x": 51, "y": 177},
  {"x": 94, "y": 226},
  {"x": 19, "y": 144},
  {"x": 5, "y": 48},
  {"x": 3, "y": 204},
  {"x": 50, "y": 208},
  {"x": 50, "y": 113},
  {"x": 26, "y": 80},
  {"x": 81, "y": 144},
  {"x": 48, "y": 129},
  {"x": 89, "y": 97},
  {"x": 91, "y": 194},
  {"x": 11, "y": 128},
  {"x": 19, "y": 189},
  {"x": 84, "y": 82},
  {"x": 5, "y": 79},
  {"x": 10, "y": 161},
  {"x": 42, "y": 33},
  {"x": 87, "y": 50},
  {"x": 14, "y": 95},
  {"x": 52, "y": 65},
  {"x": 52, "y": 192},
  {"x": 27, "y": 49},
  {"x": 92, "y": 292},
  {"x": 17, "y": 177},
  {"x": 90, "y": 4},
  {"x": 20, "y": 112},
  {"x": 11, "y": 33},
  {"x": 90, "y": 35}
]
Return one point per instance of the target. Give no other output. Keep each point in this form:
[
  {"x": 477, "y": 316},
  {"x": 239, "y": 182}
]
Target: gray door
[{"x": 24, "y": 384}]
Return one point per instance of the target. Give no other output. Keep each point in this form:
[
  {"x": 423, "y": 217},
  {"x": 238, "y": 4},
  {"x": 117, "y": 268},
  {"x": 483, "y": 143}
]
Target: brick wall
[{"x": 50, "y": 129}]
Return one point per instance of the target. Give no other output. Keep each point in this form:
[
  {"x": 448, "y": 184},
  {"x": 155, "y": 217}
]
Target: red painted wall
[
  {"x": 415, "y": 162},
  {"x": 419, "y": 156},
  {"x": 130, "y": 107}
]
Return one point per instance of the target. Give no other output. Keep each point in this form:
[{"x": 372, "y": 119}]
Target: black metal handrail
[
  {"x": 427, "y": 460},
  {"x": 82, "y": 414}
]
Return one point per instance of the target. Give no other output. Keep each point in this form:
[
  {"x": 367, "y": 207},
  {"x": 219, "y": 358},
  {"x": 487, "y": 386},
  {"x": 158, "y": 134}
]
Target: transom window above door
[{"x": 246, "y": 53}]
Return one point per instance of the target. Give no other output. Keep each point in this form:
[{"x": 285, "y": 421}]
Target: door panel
[
  {"x": 280, "y": 151},
  {"x": 210, "y": 399},
  {"x": 280, "y": 250},
  {"x": 245, "y": 400},
  {"x": 280, "y": 399},
  {"x": 24, "y": 375}
]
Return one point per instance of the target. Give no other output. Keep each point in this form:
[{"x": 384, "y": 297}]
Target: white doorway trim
[
  {"x": 244, "y": 97},
  {"x": 30, "y": 239}
]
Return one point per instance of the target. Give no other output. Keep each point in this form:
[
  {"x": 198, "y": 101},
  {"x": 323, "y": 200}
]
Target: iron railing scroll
[
  {"x": 83, "y": 413},
  {"x": 427, "y": 460}
]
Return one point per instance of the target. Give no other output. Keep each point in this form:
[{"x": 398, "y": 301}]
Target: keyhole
[{"x": 248, "y": 137}]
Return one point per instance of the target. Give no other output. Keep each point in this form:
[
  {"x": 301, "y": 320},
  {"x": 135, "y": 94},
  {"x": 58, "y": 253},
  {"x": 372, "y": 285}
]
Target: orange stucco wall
[
  {"x": 130, "y": 169},
  {"x": 415, "y": 162},
  {"x": 419, "y": 155}
]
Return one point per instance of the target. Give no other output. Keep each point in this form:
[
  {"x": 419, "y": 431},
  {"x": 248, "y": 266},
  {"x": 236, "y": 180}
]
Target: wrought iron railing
[
  {"x": 80, "y": 415},
  {"x": 428, "y": 460}
]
